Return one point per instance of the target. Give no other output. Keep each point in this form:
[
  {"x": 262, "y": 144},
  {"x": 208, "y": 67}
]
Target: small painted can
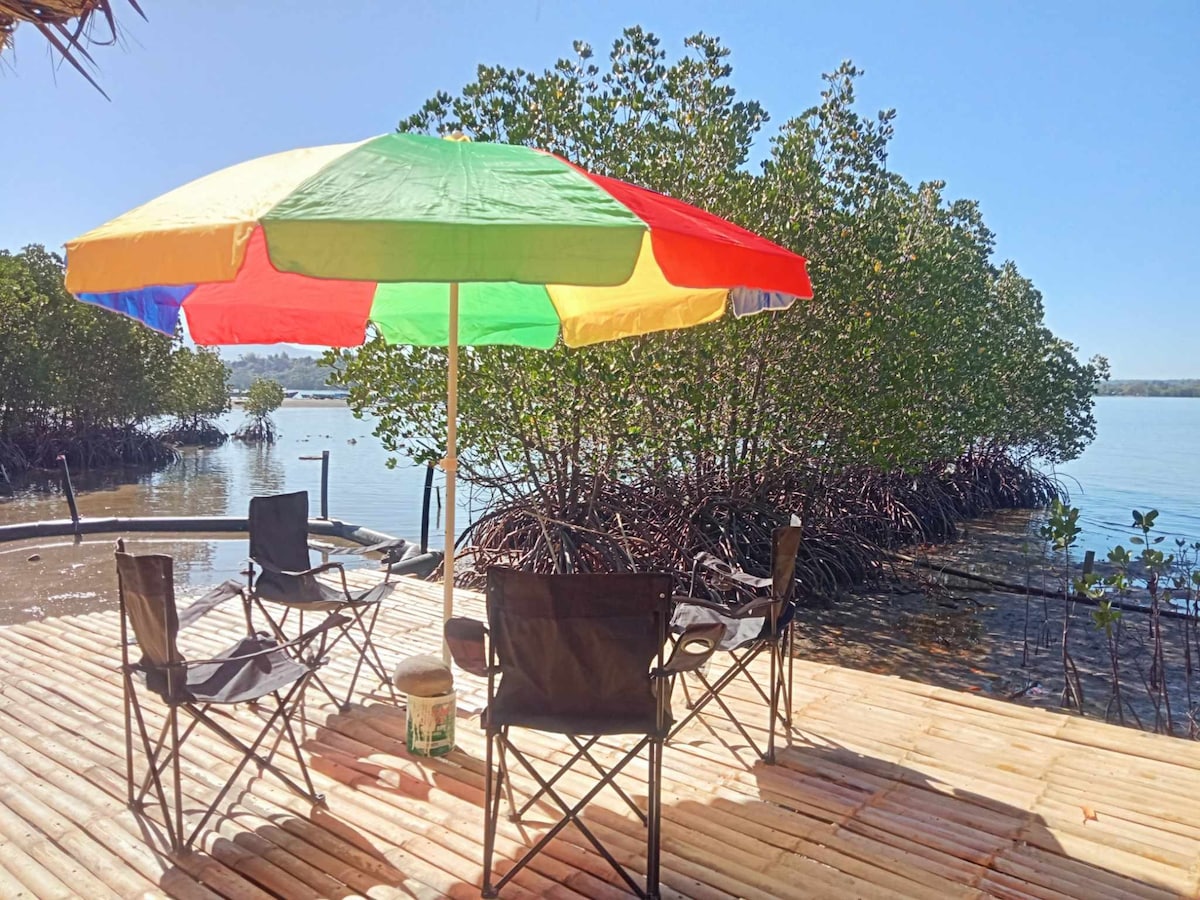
[{"x": 431, "y": 724}]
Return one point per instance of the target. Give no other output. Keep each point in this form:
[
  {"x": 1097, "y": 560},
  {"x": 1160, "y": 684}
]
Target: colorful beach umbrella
[{"x": 433, "y": 242}]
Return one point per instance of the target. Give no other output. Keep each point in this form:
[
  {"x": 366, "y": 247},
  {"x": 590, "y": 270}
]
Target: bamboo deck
[{"x": 890, "y": 789}]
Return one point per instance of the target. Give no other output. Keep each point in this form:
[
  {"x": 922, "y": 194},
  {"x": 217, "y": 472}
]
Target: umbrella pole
[{"x": 450, "y": 464}]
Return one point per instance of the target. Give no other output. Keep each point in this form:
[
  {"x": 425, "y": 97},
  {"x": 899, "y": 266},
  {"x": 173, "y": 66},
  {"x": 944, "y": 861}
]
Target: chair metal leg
[
  {"x": 367, "y": 652},
  {"x": 250, "y": 752},
  {"x": 687, "y": 695},
  {"x": 127, "y": 686},
  {"x": 164, "y": 758},
  {"x": 175, "y": 775},
  {"x": 772, "y": 703},
  {"x": 291, "y": 734},
  {"x": 491, "y": 813},
  {"x": 571, "y": 815},
  {"x": 777, "y": 696},
  {"x": 583, "y": 752},
  {"x": 153, "y": 750},
  {"x": 582, "y": 749},
  {"x": 248, "y": 612},
  {"x": 503, "y": 780},
  {"x": 712, "y": 694},
  {"x": 791, "y": 682},
  {"x": 654, "y": 818}
]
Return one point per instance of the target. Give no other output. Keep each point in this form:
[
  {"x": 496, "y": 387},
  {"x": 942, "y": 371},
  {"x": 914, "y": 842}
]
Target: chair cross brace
[{"x": 571, "y": 813}]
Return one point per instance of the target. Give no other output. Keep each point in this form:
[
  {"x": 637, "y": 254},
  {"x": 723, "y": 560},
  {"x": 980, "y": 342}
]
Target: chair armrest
[
  {"x": 723, "y": 570},
  {"x": 693, "y": 648},
  {"x": 759, "y": 606},
  {"x": 381, "y": 547},
  {"x": 315, "y": 570},
  {"x": 467, "y": 640}
]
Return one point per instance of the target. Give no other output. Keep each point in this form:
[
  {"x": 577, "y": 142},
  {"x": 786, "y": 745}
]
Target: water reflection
[
  {"x": 1142, "y": 458},
  {"x": 264, "y": 469}
]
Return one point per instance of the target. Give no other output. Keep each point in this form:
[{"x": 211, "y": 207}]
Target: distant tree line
[
  {"x": 295, "y": 373},
  {"x": 78, "y": 381},
  {"x": 1134, "y": 387}
]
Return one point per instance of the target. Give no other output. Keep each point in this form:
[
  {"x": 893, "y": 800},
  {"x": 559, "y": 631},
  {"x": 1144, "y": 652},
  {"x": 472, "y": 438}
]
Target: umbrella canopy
[{"x": 434, "y": 242}]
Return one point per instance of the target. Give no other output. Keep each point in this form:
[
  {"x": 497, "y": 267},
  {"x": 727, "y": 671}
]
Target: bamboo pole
[
  {"x": 450, "y": 463},
  {"x": 11, "y": 886}
]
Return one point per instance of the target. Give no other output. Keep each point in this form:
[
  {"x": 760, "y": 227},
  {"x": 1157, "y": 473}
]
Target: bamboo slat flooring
[{"x": 889, "y": 788}]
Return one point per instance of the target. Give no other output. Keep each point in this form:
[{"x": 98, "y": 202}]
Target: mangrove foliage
[
  {"x": 917, "y": 386},
  {"x": 78, "y": 381},
  {"x": 264, "y": 396}
]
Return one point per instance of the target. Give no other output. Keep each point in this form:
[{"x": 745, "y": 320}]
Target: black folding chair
[
  {"x": 755, "y": 615},
  {"x": 256, "y": 669},
  {"x": 285, "y": 578},
  {"x": 582, "y": 656}
]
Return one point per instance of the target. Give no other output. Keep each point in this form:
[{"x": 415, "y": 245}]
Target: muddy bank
[{"x": 948, "y": 632}]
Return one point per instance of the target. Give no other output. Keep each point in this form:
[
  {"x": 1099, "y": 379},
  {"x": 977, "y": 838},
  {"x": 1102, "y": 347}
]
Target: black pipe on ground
[{"x": 420, "y": 564}]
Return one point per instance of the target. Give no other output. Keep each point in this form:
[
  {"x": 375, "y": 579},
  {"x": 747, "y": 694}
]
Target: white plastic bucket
[{"x": 431, "y": 724}]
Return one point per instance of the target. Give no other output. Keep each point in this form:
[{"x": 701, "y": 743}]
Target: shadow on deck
[{"x": 889, "y": 789}]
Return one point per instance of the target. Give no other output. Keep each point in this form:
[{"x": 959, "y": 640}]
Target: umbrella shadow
[
  {"x": 827, "y": 816},
  {"x": 364, "y": 749},
  {"x": 291, "y": 849},
  {"x": 845, "y": 823}
]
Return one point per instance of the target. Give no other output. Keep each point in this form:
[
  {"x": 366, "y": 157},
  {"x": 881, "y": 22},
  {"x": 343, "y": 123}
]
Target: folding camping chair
[
  {"x": 254, "y": 670},
  {"x": 279, "y": 548},
  {"x": 581, "y": 656},
  {"x": 758, "y": 620}
]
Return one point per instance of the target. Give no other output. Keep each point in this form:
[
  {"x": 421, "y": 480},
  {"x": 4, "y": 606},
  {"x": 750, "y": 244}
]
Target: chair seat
[
  {"x": 231, "y": 680},
  {"x": 739, "y": 632},
  {"x": 645, "y": 723},
  {"x": 312, "y": 595}
]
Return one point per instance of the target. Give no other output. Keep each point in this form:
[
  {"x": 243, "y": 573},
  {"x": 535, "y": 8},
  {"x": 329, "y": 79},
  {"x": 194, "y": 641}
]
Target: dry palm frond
[{"x": 67, "y": 24}]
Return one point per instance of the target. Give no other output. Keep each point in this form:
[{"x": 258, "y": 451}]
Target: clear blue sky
[{"x": 1075, "y": 124}]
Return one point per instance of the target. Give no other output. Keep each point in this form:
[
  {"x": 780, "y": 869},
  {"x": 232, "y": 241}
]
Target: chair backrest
[
  {"x": 279, "y": 537},
  {"x": 785, "y": 544},
  {"x": 147, "y": 589},
  {"x": 575, "y": 651}
]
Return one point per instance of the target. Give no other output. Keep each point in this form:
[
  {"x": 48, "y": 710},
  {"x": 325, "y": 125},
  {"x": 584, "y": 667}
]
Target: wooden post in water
[
  {"x": 69, "y": 490},
  {"x": 425, "y": 508},
  {"x": 1089, "y": 563},
  {"x": 324, "y": 484}
]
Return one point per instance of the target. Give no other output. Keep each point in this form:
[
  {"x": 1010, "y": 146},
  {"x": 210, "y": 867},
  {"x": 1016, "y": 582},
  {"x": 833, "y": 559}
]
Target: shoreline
[
  {"x": 303, "y": 402},
  {"x": 956, "y": 634},
  {"x": 923, "y": 625}
]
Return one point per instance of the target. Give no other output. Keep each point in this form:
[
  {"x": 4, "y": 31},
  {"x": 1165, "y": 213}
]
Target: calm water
[
  {"x": 1142, "y": 458},
  {"x": 70, "y": 576}
]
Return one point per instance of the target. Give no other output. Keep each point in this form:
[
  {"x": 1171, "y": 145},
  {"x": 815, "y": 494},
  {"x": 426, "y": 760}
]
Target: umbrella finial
[{"x": 458, "y": 137}]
